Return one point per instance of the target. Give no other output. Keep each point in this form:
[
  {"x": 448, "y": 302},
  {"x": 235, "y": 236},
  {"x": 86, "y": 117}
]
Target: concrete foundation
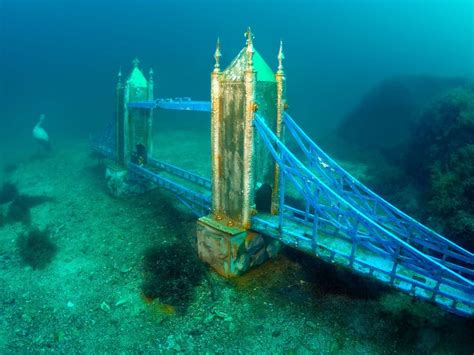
[
  {"x": 232, "y": 251},
  {"x": 121, "y": 184}
]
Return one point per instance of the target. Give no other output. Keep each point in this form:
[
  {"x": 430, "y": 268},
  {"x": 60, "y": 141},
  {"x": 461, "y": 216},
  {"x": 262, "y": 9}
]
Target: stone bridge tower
[
  {"x": 133, "y": 132},
  {"x": 134, "y": 125},
  {"x": 244, "y": 176}
]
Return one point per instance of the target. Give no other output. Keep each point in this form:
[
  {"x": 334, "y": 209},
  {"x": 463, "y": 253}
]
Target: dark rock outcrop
[{"x": 385, "y": 116}]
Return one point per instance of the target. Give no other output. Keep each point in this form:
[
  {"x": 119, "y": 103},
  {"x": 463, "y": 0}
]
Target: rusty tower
[{"x": 242, "y": 168}]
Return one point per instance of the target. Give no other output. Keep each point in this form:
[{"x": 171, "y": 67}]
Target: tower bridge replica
[{"x": 264, "y": 193}]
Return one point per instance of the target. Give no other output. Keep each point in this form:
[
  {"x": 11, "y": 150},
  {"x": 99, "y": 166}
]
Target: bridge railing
[
  {"x": 330, "y": 214},
  {"x": 179, "y": 103},
  {"x": 105, "y": 143},
  {"x": 177, "y": 171},
  {"x": 198, "y": 202},
  {"x": 381, "y": 211}
]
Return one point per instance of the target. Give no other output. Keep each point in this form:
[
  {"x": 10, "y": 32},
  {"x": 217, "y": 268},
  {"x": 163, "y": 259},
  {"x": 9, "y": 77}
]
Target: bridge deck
[{"x": 337, "y": 249}]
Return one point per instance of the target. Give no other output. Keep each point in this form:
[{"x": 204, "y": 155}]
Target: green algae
[
  {"x": 36, "y": 248},
  {"x": 8, "y": 192},
  {"x": 171, "y": 273}
]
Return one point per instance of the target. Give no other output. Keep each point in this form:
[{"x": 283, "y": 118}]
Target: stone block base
[
  {"x": 120, "y": 184},
  {"x": 232, "y": 251}
]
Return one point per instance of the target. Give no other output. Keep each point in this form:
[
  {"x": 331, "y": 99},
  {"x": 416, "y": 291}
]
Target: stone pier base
[
  {"x": 232, "y": 251},
  {"x": 121, "y": 184}
]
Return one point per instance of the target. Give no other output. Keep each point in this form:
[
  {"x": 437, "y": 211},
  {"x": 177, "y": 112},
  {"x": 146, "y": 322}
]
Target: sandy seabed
[{"x": 89, "y": 298}]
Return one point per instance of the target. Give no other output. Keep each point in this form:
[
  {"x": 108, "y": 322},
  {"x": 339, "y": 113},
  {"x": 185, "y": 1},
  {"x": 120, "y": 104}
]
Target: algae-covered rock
[
  {"x": 431, "y": 174},
  {"x": 440, "y": 159},
  {"x": 442, "y": 130}
]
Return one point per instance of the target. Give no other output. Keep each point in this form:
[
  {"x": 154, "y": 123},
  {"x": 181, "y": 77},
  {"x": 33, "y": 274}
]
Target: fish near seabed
[{"x": 40, "y": 135}]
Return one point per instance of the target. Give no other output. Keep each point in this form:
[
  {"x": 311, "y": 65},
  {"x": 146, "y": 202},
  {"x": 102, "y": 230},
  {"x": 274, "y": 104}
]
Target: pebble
[
  {"x": 26, "y": 318},
  {"x": 105, "y": 307},
  {"x": 70, "y": 304},
  {"x": 223, "y": 315},
  {"x": 120, "y": 302}
]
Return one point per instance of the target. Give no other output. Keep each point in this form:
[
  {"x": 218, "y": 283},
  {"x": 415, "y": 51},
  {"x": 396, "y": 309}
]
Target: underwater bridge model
[{"x": 312, "y": 204}]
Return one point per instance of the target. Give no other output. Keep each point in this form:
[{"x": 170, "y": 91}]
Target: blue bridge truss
[{"x": 336, "y": 217}]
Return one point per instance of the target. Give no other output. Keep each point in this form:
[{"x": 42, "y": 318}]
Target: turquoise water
[{"x": 61, "y": 57}]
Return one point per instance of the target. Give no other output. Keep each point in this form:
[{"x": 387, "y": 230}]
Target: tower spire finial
[
  {"x": 281, "y": 57},
  {"x": 150, "y": 84},
  {"x": 217, "y": 55},
  {"x": 119, "y": 78},
  {"x": 135, "y": 62},
  {"x": 249, "y": 35}
]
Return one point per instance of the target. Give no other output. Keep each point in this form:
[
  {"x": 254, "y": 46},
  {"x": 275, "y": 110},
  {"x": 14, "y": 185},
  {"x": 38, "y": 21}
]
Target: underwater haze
[
  {"x": 61, "y": 57},
  {"x": 99, "y": 255}
]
